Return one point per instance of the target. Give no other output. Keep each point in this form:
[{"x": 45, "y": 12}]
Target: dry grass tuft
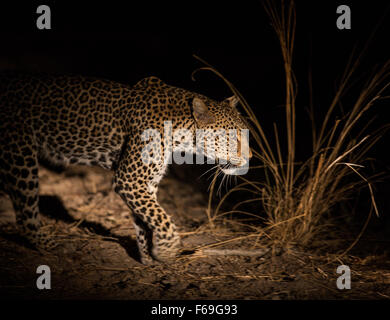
[{"x": 296, "y": 196}]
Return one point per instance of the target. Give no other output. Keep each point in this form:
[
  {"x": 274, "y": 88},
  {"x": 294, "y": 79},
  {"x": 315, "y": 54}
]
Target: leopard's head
[{"x": 223, "y": 132}]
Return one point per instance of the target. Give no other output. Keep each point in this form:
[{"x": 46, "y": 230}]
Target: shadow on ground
[{"x": 97, "y": 256}]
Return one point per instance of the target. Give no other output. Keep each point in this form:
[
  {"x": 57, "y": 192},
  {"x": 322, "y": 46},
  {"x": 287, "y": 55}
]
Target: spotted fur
[{"x": 76, "y": 120}]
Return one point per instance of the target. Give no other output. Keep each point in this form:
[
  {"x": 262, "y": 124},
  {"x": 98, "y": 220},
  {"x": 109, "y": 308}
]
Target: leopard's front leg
[
  {"x": 135, "y": 182},
  {"x": 150, "y": 220}
]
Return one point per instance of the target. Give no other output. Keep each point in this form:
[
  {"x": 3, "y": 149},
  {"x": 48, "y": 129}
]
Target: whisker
[
  {"x": 224, "y": 178},
  {"x": 204, "y": 173},
  {"x": 216, "y": 177}
]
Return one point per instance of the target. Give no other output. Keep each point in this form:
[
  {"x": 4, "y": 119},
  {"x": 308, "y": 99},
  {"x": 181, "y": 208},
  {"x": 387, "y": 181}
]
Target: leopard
[{"x": 78, "y": 120}]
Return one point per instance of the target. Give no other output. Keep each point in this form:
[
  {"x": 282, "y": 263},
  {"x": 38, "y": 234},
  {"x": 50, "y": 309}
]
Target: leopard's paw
[
  {"x": 166, "y": 252},
  {"x": 43, "y": 239},
  {"x": 148, "y": 260}
]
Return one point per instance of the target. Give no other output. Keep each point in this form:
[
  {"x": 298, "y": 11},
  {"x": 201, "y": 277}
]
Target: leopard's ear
[
  {"x": 201, "y": 112},
  {"x": 232, "y": 101}
]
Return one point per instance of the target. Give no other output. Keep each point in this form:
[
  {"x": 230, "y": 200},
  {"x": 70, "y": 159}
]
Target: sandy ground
[{"x": 97, "y": 256}]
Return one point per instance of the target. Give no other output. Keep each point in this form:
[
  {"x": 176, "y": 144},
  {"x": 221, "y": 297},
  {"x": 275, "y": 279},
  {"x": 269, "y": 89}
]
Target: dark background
[{"x": 126, "y": 42}]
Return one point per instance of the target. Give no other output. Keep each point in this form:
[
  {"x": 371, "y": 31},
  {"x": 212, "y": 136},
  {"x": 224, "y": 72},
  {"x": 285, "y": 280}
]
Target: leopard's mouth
[{"x": 234, "y": 169}]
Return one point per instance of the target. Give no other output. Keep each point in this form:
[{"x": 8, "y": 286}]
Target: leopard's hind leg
[{"x": 19, "y": 175}]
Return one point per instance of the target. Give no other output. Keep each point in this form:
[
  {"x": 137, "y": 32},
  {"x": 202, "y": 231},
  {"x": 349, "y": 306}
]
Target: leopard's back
[{"x": 74, "y": 119}]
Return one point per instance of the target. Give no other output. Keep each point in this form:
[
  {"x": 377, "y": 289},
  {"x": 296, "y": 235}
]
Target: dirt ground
[{"x": 97, "y": 256}]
